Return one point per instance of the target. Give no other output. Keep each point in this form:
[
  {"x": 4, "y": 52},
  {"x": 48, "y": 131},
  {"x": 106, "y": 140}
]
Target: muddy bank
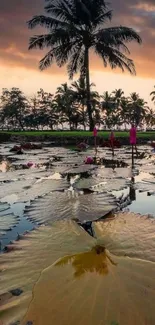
[{"x": 63, "y": 140}]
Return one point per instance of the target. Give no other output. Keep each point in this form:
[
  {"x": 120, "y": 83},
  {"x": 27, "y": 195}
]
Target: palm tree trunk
[{"x": 91, "y": 122}]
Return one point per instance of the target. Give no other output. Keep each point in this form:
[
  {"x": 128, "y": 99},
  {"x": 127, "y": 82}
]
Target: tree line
[{"x": 68, "y": 108}]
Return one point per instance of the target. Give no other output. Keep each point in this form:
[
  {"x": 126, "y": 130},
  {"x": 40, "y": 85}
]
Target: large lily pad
[
  {"x": 129, "y": 235},
  {"x": 70, "y": 205},
  {"x": 23, "y": 267},
  {"x": 60, "y": 267}
]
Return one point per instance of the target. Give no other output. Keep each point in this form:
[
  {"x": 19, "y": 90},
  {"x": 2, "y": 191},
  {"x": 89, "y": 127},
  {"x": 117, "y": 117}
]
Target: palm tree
[
  {"x": 108, "y": 108},
  {"x": 137, "y": 108},
  {"x": 153, "y": 95},
  {"x": 66, "y": 103},
  {"x": 75, "y": 28},
  {"x": 118, "y": 94},
  {"x": 124, "y": 111},
  {"x": 80, "y": 95}
]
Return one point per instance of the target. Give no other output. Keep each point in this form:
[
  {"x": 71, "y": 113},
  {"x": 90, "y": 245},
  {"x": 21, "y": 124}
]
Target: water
[
  {"x": 140, "y": 202},
  {"x": 17, "y": 208}
]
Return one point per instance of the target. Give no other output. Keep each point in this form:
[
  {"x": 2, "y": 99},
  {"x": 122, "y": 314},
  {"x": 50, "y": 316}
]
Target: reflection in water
[
  {"x": 94, "y": 261},
  {"x": 132, "y": 191},
  {"x": 4, "y": 166}
]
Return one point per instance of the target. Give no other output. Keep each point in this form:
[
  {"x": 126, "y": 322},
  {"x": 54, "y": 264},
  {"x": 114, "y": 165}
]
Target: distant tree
[
  {"x": 65, "y": 100},
  {"x": 80, "y": 96},
  {"x": 118, "y": 95},
  {"x": 75, "y": 28},
  {"x": 14, "y": 106},
  {"x": 108, "y": 109},
  {"x": 137, "y": 108}
]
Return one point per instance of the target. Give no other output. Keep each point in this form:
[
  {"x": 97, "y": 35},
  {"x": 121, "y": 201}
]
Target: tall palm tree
[
  {"x": 153, "y": 95},
  {"x": 75, "y": 28}
]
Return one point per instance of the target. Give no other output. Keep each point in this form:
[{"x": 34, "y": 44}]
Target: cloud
[{"x": 15, "y": 35}]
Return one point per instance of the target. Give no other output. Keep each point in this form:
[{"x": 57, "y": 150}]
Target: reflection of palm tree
[
  {"x": 96, "y": 260},
  {"x": 132, "y": 192}
]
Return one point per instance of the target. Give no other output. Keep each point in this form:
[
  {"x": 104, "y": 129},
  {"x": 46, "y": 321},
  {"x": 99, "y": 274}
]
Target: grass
[{"x": 104, "y": 134}]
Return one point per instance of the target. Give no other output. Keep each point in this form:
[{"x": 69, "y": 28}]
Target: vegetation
[
  {"x": 74, "y": 28},
  {"x": 67, "y": 109}
]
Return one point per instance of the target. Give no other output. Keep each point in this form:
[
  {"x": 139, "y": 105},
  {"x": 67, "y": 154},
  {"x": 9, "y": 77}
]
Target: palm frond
[
  {"x": 47, "y": 60},
  {"x": 40, "y": 41},
  {"x": 115, "y": 58},
  {"x": 61, "y": 9},
  {"x": 102, "y": 18},
  {"x": 47, "y": 22},
  {"x": 76, "y": 61},
  {"x": 122, "y": 33}
]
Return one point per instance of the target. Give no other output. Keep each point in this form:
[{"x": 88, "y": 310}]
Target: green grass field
[{"x": 104, "y": 134}]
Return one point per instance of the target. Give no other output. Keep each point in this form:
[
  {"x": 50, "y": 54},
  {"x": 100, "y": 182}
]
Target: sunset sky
[{"x": 19, "y": 67}]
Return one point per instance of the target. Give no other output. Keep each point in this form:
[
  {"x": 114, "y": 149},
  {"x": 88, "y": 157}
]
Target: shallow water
[
  {"x": 139, "y": 202},
  {"x": 59, "y": 255}
]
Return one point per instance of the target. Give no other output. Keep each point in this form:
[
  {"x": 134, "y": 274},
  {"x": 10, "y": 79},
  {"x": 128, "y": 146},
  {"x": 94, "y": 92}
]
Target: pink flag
[
  {"x": 95, "y": 132},
  {"x": 133, "y": 135}
]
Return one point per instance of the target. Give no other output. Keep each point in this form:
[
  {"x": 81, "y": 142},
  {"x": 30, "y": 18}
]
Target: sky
[{"x": 19, "y": 67}]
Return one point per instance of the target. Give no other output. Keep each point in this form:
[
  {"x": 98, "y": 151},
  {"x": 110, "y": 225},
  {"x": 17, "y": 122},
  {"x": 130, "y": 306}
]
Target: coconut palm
[
  {"x": 137, "y": 108},
  {"x": 66, "y": 104},
  {"x": 118, "y": 94},
  {"x": 75, "y": 27},
  {"x": 80, "y": 95}
]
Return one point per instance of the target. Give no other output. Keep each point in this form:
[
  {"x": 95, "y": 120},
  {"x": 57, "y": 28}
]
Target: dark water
[{"x": 21, "y": 227}]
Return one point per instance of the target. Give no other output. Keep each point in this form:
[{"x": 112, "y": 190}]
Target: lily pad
[
  {"x": 146, "y": 186},
  {"x": 70, "y": 205},
  {"x": 4, "y": 206},
  {"x": 80, "y": 170},
  {"x": 101, "y": 184},
  {"x": 30, "y": 189},
  {"x": 29, "y": 257},
  {"x": 128, "y": 234},
  {"x": 7, "y": 221},
  {"x": 60, "y": 267}
]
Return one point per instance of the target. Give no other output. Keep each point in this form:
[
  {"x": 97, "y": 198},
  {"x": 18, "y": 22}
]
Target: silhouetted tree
[{"x": 77, "y": 27}]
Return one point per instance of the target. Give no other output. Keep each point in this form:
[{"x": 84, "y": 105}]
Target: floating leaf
[
  {"x": 4, "y": 206},
  {"x": 113, "y": 173},
  {"x": 7, "y": 221},
  {"x": 129, "y": 235},
  {"x": 149, "y": 169},
  {"x": 147, "y": 186},
  {"x": 70, "y": 205},
  {"x": 101, "y": 184},
  {"x": 59, "y": 270},
  {"x": 23, "y": 267},
  {"x": 80, "y": 170},
  {"x": 30, "y": 189},
  {"x": 106, "y": 288}
]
